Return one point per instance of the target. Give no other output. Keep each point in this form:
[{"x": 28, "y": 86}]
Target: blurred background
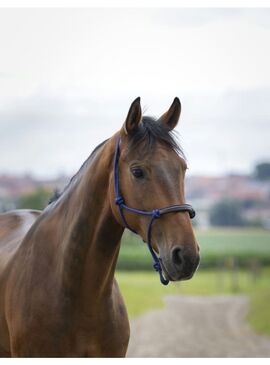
[{"x": 67, "y": 78}]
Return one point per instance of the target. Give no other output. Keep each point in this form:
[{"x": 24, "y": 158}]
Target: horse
[{"x": 58, "y": 293}]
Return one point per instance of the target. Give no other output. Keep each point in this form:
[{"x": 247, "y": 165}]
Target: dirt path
[{"x": 197, "y": 327}]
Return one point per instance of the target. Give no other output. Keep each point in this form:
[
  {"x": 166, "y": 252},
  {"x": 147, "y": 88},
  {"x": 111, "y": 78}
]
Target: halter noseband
[{"x": 154, "y": 214}]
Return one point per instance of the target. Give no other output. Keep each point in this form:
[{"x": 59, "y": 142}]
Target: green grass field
[
  {"x": 240, "y": 243},
  {"x": 142, "y": 291},
  {"x": 216, "y": 245}
]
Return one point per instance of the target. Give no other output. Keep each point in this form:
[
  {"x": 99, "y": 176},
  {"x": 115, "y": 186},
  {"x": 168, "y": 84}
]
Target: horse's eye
[{"x": 137, "y": 172}]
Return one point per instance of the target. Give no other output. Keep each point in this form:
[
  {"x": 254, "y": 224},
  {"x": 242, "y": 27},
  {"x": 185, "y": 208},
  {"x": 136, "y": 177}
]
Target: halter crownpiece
[{"x": 154, "y": 214}]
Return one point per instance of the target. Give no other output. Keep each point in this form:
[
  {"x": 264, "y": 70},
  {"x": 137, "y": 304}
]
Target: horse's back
[{"x": 13, "y": 227}]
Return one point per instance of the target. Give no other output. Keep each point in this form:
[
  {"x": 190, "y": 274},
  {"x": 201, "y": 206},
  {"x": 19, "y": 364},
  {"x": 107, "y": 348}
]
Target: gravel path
[{"x": 197, "y": 327}]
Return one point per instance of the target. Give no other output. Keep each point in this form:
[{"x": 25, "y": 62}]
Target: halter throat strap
[{"x": 154, "y": 214}]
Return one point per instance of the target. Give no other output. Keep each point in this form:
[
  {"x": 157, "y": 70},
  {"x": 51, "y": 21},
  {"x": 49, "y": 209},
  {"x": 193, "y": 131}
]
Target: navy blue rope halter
[{"x": 154, "y": 214}]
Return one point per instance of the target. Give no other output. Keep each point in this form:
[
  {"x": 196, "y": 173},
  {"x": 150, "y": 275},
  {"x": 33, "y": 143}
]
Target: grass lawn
[
  {"x": 216, "y": 245},
  {"x": 236, "y": 242},
  {"x": 142, "y": 291}
]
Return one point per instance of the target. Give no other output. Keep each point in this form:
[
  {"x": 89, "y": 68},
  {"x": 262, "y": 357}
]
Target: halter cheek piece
[{"x": 154, "y": 214}]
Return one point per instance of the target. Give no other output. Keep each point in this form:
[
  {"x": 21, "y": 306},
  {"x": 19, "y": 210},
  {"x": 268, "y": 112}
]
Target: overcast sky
[{"x": 67, "y": 78}]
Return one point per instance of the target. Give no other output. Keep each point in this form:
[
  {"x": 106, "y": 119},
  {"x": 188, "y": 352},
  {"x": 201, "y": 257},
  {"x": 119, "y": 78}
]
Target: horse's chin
[
  {"x": 173, "y": 275},
  {"x": 165, "y": 271}
]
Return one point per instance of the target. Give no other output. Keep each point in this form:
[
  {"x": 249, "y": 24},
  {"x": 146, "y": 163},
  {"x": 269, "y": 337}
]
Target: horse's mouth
[
  {"x": 175, "y": 275},
  {"x": 165, "y": 272}
]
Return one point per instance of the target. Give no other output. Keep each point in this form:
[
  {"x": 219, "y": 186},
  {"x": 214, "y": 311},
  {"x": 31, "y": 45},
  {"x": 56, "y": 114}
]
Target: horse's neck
[{"x": 91, "y": 239}]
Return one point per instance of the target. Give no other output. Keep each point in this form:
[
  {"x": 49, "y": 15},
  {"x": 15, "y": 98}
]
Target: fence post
[
  {"x": 255, "y": 269},
  {"x": 220, "y": 274},
  {"x": 233, "y": 267}
]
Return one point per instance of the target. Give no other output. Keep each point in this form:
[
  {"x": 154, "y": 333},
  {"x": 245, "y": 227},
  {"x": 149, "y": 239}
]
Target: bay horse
[{"x": 58, "y": 294}]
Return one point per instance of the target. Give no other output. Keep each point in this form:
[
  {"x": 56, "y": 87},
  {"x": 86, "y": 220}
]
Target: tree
[
  {"x": 36, "y": 200},
  {"x": 226, "y": 213},
  {"x": 262, "y": 171}
]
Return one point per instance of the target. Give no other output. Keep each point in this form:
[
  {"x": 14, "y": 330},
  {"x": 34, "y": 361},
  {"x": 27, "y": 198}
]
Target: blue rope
[
  {"x": 154, "y": 214},
  {"x": 119, "y": 201},
  {"x": 157, "y": 264}
]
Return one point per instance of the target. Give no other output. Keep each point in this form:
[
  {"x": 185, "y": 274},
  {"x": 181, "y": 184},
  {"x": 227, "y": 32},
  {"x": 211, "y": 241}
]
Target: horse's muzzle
[{"x": 180, "y": 265}]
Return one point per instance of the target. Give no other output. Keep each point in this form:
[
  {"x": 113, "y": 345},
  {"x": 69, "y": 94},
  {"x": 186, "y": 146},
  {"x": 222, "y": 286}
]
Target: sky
[{"x": 68, "y": 77}]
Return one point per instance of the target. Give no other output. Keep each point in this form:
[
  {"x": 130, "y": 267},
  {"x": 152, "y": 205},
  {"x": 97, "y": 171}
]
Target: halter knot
[
  {"x": 119, "y": 200},
  {"x": 155, "y": 213},
  {"x": 157, "y": 266}
]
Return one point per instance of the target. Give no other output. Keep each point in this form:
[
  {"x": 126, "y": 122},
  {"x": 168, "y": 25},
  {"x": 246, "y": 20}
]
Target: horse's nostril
[{"x": 177, "y": 256}]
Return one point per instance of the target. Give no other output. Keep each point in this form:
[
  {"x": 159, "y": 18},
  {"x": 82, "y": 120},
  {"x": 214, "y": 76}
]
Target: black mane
[{"x": 149, "y": 133}]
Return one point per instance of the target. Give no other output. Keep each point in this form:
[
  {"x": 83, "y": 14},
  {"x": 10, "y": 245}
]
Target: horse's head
[{"x": 151, "y": 176}]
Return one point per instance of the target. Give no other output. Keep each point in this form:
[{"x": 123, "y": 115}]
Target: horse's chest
[{"x": 103, "y": 338}]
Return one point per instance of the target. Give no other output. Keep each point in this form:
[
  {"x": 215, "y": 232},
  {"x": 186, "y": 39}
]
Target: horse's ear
[
  {"x": 133, "y": 118},
  {"x": 171, "y": 117}
]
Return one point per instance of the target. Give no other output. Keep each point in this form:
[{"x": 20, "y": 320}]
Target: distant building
[
  {"x": 203, "y": 192},
  {"x": 13, "y": 187}
]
